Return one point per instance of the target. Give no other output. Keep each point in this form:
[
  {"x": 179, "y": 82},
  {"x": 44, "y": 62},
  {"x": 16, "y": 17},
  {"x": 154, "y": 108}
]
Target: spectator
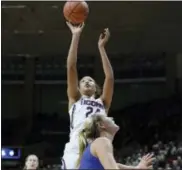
[{"x": 31, "y": 162}]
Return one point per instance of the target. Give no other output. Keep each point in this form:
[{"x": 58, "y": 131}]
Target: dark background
[{"x": 145, "y": 50}]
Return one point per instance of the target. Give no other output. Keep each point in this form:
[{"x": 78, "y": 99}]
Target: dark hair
[{"x": 98, "y": 91}]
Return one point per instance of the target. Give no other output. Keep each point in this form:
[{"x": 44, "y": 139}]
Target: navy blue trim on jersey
[
  {"x": 63, "y": 166},
  {"x": 72, "y": 116}
]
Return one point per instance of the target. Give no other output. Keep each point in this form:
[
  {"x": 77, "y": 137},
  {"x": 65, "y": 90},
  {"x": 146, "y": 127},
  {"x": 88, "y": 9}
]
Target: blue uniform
[{"x": 88, "y": 161}]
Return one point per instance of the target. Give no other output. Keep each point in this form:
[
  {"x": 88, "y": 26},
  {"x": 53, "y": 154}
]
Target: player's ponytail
[
  {"x": 88, "y": 134},
  {"x": 82, "y": 145}
]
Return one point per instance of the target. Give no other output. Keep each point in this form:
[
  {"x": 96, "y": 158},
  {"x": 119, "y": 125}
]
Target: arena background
[{"x": 145, "y": 50}]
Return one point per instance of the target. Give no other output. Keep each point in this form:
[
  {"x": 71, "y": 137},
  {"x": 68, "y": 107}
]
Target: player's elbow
[
  {"x": 109, "y": 80},
  {"x": 71, "y": 71},
  {"x": 110, "y": 163},
  {"x": 71, "y": 65},
  {"x": 110, "y": 167},
  {"x": 109, "y": 76},
  {"x": 72, "y": 93}
]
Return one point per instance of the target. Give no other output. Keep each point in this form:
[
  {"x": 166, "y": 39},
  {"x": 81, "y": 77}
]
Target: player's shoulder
[
  {"x": 77, "y": 102},
  {"x": 102, "y": 141},
  {"x": 99, "y": 100},
  {"x": 101, "y": 145}
]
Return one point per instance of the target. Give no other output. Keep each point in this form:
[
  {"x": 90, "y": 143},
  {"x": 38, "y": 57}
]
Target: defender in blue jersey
[{"x": 96, "y": 150}]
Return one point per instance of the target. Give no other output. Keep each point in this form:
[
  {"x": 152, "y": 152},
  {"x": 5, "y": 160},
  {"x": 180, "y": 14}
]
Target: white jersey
[{"x": 78, "y": 113}]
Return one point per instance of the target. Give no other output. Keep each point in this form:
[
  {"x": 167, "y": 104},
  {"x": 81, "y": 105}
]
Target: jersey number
[{"x": 90, "y": 111}]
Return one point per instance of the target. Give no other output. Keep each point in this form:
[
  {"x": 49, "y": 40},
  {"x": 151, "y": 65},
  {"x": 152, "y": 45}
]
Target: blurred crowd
[
  {"x": 167, "y": 156},
  {"x": 151, "y": 127}
]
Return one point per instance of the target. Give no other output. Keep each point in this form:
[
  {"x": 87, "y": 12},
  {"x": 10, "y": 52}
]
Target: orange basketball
[{"x": 76, "y": 11}]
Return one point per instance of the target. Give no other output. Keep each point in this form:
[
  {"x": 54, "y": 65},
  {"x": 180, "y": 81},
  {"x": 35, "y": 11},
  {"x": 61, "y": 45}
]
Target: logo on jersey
[
  {"x": 92, "y": 107},
  {"x": 92, "y": 103}
]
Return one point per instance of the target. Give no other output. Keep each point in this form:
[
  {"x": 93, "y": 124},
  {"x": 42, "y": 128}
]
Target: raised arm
[
  {"x": 72, "y": 76},
  {"x": 103, "y": 150},
  {"x": 108, "y": 87}
]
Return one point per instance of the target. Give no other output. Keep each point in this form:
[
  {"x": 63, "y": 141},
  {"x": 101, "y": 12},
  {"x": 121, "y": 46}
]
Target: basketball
[{"x": 76, "y": 12}]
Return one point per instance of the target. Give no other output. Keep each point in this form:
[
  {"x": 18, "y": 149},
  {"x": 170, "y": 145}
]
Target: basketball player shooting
[{"x": 82, "y": 95}]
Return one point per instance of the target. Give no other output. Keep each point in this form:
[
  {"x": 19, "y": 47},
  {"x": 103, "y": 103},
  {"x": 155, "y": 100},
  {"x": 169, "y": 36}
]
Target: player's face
[
  {"x": 32, "y": 162},
  {"x": 87, "y": 86},
  {"x": 109, "y": 125}
]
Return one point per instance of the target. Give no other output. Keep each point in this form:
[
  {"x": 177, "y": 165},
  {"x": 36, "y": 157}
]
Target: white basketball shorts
[{"x": 69, "y": 160}]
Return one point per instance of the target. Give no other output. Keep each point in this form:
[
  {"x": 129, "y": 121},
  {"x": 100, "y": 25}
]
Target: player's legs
[{"x": 69, "y": 161}]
